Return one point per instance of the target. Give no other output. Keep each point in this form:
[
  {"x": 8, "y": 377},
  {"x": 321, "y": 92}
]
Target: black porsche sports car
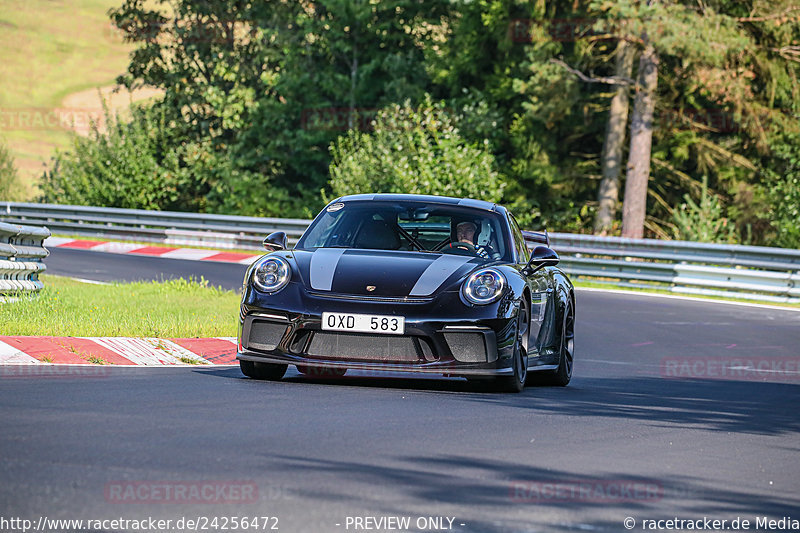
[{"x": 410, "y": 283}]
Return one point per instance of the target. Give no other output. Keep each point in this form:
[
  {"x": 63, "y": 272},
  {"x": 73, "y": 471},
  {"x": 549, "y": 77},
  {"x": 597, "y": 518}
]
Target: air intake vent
[
  {"x": 263, "y": 335},
  {"x": 467, "y": 347}
]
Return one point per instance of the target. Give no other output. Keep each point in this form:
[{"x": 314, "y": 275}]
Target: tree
[
  {"x": 700, "y": 39},
  {"x": 261, "y": 85},
  {"x": 255, "y": 93},
  {"x": 613, "y": 145},
  {"x": 355, "y": 58},
  {"x": 635, "y": 204}
]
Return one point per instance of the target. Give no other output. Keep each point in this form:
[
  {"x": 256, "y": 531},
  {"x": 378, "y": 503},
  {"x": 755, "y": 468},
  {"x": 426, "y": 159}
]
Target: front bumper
[
  {"x": 374, "y": 367},
  {"x": 442, "y": 334}
]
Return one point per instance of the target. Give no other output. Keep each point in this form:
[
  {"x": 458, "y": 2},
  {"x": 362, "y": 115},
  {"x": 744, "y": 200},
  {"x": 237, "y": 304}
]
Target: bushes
[
  {"x": 149, "y": 162},
  {"x": 134, "y": 165},
  {"x": 703, "y": 221},
  {"x": 414, "y": 150},
  {"x": 783, "y": 191}
]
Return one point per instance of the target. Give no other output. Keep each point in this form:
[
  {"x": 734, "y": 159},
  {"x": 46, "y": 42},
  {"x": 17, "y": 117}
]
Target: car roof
[{"x": 446, "y": 200}]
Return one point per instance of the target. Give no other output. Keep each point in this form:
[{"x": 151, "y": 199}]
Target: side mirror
[
  {"x": 275, "y": 241},
  {"x": 542, "y": 256}
]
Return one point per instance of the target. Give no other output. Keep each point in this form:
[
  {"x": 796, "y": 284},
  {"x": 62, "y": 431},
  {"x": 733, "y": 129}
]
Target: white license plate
[{"x": 390, "y": 325}]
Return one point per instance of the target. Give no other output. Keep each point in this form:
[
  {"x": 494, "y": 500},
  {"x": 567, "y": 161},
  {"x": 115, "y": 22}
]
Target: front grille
[
  {"x": 264, "y": 335},
  {"x": 467, "y": 347},
  {"x": 351, "y": 346}
]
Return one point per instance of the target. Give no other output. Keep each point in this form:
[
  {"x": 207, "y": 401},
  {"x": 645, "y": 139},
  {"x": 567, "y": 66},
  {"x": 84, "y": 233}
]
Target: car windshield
[{"x": 409, "y": 226}]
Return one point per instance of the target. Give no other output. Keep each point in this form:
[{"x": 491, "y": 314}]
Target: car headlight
[
  {"x": 484, "y": 286},
  {"x": 272, "y": 274}
]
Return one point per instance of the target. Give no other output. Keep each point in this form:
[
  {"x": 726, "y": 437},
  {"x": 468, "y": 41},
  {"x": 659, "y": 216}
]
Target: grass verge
[
  {"x": 49, "y": 50},
  {"x": 171, "y": 309}
]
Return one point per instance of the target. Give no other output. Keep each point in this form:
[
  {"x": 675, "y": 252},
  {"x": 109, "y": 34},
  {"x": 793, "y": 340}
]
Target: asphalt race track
[
  {"x": 102, "y": 266},
  {"x": 661, "y": 421}
]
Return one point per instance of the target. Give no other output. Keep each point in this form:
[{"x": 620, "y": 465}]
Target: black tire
[
  {"x": 321, "y": 372},
  {"x": 516, "y": 381},
  {"x": 270, "y": 371},
  {"x": 561, "y": 376}
]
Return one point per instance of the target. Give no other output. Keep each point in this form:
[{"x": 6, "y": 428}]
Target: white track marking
[
  {"x": 53, "y": 242},
  {"x": 189, "y": 254},
  {"x": 11, "y": 356},
  {"x": 116, "y": 247},
  {"x": 176, "y": 350},
  {"x": 147, "y": 351},
  {"x": 687, "y": 298},
  {"x": 91, "y": 281}
]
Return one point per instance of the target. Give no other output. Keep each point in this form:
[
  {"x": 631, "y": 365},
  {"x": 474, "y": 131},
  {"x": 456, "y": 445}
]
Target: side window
[{"x": 519, "y": 241}]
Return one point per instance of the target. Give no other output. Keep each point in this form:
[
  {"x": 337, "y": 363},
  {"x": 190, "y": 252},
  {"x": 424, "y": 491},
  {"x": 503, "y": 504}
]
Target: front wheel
[
  {"x": 270, "y": 371},
  {"x": 519, "y": 362}
]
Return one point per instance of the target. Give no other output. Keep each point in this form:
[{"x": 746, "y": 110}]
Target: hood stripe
[
  {"x": 323, "y": 266},
  {"x": 437, "y": 273}
]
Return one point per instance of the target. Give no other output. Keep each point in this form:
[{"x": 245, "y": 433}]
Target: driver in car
[{"x": 465, "y": 233}]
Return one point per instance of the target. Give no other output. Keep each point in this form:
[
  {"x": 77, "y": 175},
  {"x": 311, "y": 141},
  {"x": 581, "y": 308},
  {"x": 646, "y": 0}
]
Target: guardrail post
[{"x": 21, "y": 253}]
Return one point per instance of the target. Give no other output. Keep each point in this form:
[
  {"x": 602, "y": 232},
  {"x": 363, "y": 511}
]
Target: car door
[{"x": 539, "y": 284}]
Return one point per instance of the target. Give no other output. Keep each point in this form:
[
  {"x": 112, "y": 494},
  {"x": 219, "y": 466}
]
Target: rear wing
[{"x": 538, "y": 237}]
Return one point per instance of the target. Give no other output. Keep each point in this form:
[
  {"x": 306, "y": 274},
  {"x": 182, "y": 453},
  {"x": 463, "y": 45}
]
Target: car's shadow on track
[
  {"x": 526, "y": 493},
  {"x": 765, "y": 408},
  {"x": 386, "y": 380}
]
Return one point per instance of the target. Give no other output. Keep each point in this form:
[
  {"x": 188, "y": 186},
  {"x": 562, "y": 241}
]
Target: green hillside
[{"x": 50, "y": 49}]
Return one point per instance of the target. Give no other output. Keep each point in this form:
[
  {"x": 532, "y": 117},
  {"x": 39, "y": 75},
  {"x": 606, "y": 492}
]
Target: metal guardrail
[
  {"x": 194, "y": 229},
  {"x": 748, "y": 272},
  {"x": 21, "y": 254}
]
